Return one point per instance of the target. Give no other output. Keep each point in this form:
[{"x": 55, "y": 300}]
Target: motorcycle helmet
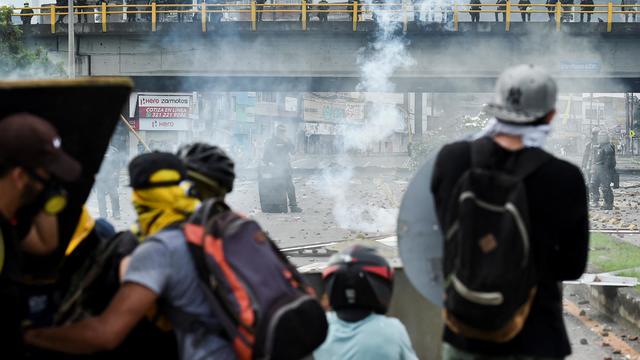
[{"x": 359, "y": 278}]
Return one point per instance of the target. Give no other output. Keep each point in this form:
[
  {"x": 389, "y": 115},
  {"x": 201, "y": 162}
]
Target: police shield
[{"x": 419, "y": 238}]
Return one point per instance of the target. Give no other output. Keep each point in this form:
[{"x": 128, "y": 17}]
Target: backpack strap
[{"x": 528, "y": 160}]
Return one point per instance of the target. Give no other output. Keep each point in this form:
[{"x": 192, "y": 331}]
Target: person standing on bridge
[
  {"x": 27, "y": 14},
  {"x": 323, "y": 15},
  {"x": 629, "y": 10},
  {"x": 502, "y": 8},
  {"x": 587, "y": 8},
  {"x": 61, "y": 5},
  {"x": 526, "y": 15},
  {"x": 475, "y": 10},
  {"x": 508, "y": 207},
  {"x": 259, "y": 9},
  {"x": 551, "y": 8}
]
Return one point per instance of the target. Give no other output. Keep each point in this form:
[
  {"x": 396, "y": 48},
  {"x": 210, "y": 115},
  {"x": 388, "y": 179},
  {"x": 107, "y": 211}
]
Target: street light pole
[{"x": 71, "y": 40}]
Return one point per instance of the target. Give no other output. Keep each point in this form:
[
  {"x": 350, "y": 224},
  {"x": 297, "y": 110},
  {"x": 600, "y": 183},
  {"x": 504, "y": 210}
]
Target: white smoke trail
[{"x": 379, "y": 62}]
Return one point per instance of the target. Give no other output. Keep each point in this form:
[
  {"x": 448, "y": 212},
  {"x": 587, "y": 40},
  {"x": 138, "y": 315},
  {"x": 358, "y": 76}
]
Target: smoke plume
[{"x": 378, "y": 62}]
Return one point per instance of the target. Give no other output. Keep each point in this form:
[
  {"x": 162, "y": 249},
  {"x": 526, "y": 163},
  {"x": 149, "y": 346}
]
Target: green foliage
[{"x": 16, "y": 60}]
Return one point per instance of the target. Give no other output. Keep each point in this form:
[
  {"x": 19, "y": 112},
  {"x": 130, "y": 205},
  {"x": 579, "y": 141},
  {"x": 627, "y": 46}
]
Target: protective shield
[
  {"x": 85, "y": 113},
  {"x": 419, "y": 238}
]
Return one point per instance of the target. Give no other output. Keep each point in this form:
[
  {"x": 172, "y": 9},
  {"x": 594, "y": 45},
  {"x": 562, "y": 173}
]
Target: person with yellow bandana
[{"x": 160, "y": 268}]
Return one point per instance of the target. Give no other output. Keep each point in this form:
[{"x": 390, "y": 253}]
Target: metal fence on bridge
[{"x": 401, "y": 12}]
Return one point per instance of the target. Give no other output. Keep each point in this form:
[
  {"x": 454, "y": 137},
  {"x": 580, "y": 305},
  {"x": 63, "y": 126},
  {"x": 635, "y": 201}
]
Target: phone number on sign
[{"x": 164, "y": 114}]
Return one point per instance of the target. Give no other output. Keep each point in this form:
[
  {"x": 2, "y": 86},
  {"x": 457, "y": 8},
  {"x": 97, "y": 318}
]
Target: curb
[{"x": 622, "y": 304}]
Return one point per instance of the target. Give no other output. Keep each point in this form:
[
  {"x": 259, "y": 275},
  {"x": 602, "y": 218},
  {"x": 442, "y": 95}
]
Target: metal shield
[{"x": 420, "y": 241}]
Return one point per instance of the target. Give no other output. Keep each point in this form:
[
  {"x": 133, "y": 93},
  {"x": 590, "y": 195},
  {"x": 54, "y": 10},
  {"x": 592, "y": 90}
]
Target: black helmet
[
  {"x": 210, "y": 161},
  {"x": 359, "y": 278}
]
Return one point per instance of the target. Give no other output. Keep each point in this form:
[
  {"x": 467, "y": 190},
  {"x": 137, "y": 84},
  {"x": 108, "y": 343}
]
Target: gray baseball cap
[{"x": 524, "y": 94}]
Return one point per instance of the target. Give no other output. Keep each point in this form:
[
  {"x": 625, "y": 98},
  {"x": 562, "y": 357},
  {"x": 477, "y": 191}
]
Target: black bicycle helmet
[
  {"x": 359, "y": 278},
  {"x": 209, "y": 161}
]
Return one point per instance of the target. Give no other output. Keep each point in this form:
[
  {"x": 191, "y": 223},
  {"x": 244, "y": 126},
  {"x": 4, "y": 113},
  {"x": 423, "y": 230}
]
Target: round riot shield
[{"x": 419, "y": 237}]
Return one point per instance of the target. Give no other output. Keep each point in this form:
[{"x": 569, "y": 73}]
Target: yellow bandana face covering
[{"x": 162, "y": 206}]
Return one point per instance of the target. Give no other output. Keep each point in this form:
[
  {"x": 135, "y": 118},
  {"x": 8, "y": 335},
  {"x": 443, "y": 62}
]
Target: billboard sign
[{"x": 166, "y": 106}]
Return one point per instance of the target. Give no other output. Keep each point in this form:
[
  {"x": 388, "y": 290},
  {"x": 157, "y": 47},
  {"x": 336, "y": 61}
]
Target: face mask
[{"x": 52, "y": 199}]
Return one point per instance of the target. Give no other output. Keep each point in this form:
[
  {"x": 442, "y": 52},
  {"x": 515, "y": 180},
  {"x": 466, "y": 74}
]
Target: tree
[{"x": 16, "y": 60}]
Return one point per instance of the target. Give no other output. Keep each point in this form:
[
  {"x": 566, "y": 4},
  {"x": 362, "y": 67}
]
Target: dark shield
[{"x": 85, "y": 113}]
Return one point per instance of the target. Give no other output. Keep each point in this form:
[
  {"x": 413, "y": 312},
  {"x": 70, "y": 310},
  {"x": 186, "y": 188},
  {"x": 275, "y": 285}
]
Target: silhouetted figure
[
  {"x": 525, "y": 16},
  {"x": 26, "y": 19},
  {"x": 323, "y": 16},
  {"x": 567, "y": 15},
  {"x": 475, "y": 16},
  {"x": 586, "y": 8},
  {"x": 64, "y": 4},
  {"x": 628, "y": 9},
  {"x": 552, "y": 10},
  {"x": 259, "y": 8},
  {"x": 501, "y": 9}
]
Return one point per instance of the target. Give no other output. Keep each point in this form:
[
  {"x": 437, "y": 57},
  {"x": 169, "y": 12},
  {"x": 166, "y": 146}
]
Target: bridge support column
[{"x": 418, "y": 114}]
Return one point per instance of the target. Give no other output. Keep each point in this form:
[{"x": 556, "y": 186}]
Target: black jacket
[
  {"x": 559, "y": 238},
  {"x": 524, "y": 2},
  {"x": 586, "y": 2}
]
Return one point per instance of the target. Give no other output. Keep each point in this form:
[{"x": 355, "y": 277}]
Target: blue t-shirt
[
  {"x": 164, "y": 265},
  {"x": 374, "y": 337}
]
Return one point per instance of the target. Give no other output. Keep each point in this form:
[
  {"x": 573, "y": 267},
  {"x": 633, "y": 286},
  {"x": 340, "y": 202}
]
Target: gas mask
[{"x": 52, "y": 199}]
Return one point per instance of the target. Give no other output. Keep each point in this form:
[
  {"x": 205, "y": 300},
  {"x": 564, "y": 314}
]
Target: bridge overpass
[{"x": 280, "y": 56}]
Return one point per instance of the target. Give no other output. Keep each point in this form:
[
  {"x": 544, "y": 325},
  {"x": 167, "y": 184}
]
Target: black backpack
[{"x": 490, "y": 275}]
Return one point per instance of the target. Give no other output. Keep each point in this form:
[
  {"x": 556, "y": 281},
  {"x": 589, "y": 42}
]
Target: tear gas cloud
[{"x": 379, "y": 62}]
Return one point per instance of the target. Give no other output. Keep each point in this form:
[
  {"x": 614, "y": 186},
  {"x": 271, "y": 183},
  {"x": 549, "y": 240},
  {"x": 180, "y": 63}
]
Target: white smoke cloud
[{"x": 379, "y": 62}]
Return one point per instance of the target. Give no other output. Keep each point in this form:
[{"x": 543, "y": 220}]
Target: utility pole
[
  {"x": 71, "y": 40},
  {"x": 627, "y": 122},
  {"x": 590, "y": 117},
  {"x": 418, "y": 115}
]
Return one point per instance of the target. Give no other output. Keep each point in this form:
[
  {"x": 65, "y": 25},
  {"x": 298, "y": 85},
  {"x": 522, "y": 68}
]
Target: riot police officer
[
  {"x": 277, "y": 154},
  {"x": 602, "y": 171},
  {"x": 587, "y": 156}
]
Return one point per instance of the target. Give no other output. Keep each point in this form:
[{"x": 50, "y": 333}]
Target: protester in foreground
[
  {"x": 359, "y": 283},
  {"x": 31, "y": 164},
  {"x": 161, "y": 269},
  {"x": 508, "y": 207}
]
